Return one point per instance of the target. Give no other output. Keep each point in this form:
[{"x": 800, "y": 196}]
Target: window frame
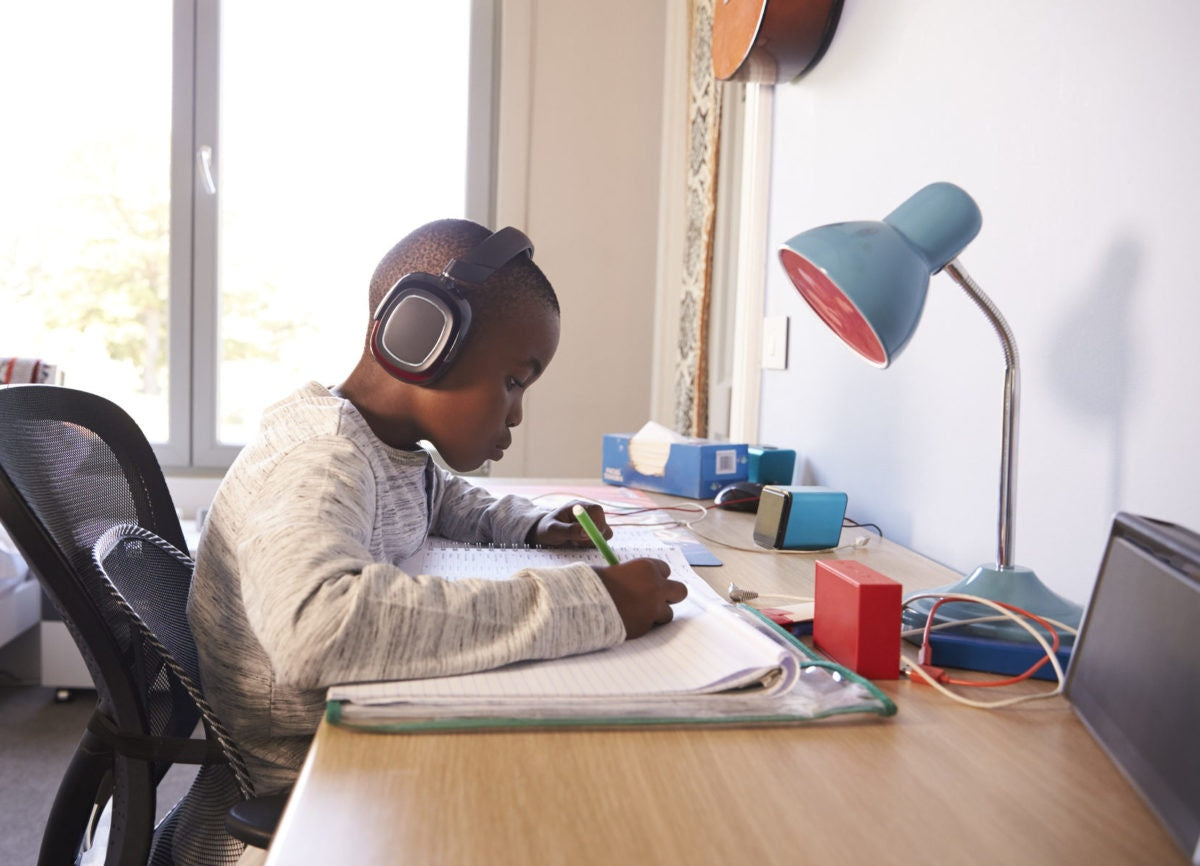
[{"x": 192, "y": 445}]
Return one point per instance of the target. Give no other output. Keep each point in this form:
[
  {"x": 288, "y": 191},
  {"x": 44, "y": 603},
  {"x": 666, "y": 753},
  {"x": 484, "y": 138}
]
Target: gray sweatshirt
[{"x": 296, "y": 586}]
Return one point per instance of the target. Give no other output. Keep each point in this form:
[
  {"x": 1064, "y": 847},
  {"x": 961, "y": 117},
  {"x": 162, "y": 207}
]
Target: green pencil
[{"x": 594, "y": 534}]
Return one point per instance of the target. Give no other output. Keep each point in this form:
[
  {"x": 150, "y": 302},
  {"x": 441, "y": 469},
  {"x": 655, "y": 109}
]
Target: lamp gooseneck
[{"x": 1008, "y": 440}]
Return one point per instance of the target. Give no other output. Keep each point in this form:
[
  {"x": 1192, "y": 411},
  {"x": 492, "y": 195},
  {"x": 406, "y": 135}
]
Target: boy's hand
[
  {"x": 561, "y": 529},
  {"x": 642, "y": 593},
  {"x": 639, "y": 588}
]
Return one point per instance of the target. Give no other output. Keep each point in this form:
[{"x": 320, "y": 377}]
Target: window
[{"x": 200, "y": 192}]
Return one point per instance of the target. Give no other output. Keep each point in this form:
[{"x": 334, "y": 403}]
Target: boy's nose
[{"x": 515, "y": 414}]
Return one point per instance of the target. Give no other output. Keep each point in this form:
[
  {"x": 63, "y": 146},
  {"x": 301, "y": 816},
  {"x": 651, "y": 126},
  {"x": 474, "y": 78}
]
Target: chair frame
[{"x": 117, "y": 756}]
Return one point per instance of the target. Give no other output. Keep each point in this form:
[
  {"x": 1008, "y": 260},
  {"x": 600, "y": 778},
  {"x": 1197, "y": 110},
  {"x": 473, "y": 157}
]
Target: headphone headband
[{"x": 489, "y": 255}]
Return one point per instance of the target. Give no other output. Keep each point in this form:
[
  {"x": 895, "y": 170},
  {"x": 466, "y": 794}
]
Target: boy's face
[{"x": 469, "y": 413}]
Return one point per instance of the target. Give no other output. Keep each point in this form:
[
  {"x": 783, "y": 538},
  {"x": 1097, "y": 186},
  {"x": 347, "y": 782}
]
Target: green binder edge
[
  {"x": 816, "y": 660},
  {"x": 884, "y": 707}
]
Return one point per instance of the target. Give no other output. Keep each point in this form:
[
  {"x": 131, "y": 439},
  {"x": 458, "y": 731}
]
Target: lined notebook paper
[{"x": 708, "y": 647}]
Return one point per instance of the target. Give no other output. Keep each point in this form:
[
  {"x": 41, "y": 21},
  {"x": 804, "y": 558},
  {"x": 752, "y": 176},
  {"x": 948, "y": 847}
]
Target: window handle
[{"x": 204, "y": 166}]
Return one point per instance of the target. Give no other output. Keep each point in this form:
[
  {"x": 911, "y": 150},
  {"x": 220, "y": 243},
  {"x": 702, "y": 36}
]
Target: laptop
[{"x": 1134, "y": 678}]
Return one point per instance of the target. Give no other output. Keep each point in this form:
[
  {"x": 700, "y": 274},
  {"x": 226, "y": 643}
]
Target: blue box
[
  {"x": 994, "y": 656},
  {"x": 697, "y": 468},
  {"x": 771, "y": 465}
]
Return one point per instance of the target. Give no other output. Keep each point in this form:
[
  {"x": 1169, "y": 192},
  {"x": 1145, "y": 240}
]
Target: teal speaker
[
  {"x": 799, "y": 518},
  {"x": 770, "y": 465}
]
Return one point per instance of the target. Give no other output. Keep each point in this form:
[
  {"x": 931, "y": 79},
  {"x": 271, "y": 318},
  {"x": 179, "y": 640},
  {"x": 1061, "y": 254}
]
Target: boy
[{"x": 295, "y": 587}]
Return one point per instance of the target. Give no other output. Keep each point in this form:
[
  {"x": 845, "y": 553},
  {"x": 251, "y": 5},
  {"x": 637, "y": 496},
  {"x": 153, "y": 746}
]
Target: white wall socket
[{"x": 775, "y": 343}]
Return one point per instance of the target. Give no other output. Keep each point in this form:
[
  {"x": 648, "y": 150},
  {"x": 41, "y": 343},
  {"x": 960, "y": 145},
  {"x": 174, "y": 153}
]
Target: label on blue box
[{"x": 695, "y": 468}]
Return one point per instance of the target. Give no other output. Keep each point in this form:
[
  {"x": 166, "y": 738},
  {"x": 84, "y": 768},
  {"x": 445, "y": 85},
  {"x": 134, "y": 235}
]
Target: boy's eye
[{"x": 514, "y": 383}]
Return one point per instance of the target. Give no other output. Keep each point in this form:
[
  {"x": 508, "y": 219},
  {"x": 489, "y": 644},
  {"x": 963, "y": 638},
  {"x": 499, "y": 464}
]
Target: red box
[{"x": 857, "y": 618}]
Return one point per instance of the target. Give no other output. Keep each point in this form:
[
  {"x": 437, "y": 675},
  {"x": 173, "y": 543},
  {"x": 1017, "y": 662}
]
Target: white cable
[
  {"x": 911, "y": 632},
  {"x": 858, "y": 543},
  {"x": 616, "y": 506},
  {"x": 616, "y": 509},
  {"x": 1005, "y": 612},
  {"x": 912, "y": 667}
]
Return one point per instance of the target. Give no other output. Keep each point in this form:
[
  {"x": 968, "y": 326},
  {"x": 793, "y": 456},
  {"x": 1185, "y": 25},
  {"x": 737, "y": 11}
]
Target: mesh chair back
[
  {"x": 73, "y": 466},
  {"x": 149, "y": 580}
]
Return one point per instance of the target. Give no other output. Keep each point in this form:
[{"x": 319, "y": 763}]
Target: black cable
[{"x": 850, "y": 522}]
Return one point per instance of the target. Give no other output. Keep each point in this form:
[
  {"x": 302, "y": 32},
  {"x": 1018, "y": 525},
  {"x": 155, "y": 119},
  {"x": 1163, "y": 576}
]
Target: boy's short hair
[{"x": 430, "y": 248}]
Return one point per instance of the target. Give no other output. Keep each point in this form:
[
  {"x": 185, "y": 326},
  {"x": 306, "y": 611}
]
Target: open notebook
[{"x": 713, "y": 662}]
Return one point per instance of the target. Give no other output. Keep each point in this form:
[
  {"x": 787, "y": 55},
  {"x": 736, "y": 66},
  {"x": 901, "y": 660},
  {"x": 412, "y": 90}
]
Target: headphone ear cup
[{"x": 419, "y": 328}]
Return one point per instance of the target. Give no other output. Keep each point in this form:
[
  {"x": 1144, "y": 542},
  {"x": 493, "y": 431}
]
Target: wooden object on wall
[
  {"x": 771, "y": 41},
  {"x": 704, "y": 123}
]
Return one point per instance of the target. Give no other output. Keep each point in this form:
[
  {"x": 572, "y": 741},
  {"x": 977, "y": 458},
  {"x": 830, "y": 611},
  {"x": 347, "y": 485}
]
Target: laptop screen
[{"x": 1134, "y": 677}]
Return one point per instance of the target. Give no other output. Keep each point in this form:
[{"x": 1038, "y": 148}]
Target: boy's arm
[
  {"x": 466, "y": 512},
  {"x": 325, "y": 611},
  {"x": 469, "y": 513}
]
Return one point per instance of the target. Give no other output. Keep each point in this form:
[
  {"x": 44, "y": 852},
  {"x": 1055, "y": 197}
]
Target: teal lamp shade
[{"x": 867, "y": 280}]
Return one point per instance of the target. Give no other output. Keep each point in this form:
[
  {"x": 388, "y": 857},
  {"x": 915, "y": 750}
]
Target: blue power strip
[{"x": 992, "y": 656}]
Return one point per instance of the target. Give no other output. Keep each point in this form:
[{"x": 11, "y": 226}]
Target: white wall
[
  {"x": 1075, "y": 126},
  {"x": 581, "y": 104}
]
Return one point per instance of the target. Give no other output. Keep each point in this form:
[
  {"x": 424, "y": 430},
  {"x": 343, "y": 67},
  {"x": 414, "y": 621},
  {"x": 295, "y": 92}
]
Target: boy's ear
[{"x": 421, "y": 323}]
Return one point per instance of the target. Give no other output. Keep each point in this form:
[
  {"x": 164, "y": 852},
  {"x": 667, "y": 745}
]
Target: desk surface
[{"x": 937, "y": 783}]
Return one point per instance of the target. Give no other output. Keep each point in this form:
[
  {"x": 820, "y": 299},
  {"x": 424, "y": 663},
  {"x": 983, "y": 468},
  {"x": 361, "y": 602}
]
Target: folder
[{"x": 715, "y": 663}]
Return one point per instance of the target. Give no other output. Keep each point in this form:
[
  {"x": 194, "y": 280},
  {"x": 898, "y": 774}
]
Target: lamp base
[{"x": 1013, "y": 585}]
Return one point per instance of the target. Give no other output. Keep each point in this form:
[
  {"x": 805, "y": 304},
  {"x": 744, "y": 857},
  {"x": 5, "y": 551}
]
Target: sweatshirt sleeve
[
  {"x": 326, "y": 611},
  {"x": 465, "y": 512}
]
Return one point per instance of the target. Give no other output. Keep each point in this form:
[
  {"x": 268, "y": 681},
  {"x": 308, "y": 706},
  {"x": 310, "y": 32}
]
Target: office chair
[{"x": 83, "y": 496}]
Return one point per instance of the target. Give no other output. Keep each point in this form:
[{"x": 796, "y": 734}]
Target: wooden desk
[{"x": 939, "y": 783}]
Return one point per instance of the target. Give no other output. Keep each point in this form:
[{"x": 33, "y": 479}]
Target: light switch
[{"x": 775, "y": 343}]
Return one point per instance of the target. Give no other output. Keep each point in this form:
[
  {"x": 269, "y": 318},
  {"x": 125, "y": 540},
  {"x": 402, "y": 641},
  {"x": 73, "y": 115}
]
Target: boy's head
[
  {"x": 431, "y": 247},
  {"x": 513, "y": 333}
]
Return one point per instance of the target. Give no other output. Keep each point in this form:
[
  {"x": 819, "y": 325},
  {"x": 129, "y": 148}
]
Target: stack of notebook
[{"x": 715, "y": 663}]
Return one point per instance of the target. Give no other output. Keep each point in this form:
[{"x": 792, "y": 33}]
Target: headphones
[{"x": 420, "y": 324}]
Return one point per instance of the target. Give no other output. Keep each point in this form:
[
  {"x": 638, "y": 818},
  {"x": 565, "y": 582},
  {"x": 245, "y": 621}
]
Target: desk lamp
[{"x": 867, "y": 281}]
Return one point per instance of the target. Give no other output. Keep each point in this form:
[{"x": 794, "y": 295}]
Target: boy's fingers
[
  {"x": 574, "y": 531},
  {"x": 676, "y": 591},
  {"x": 660, "y": 568},
  {"x": 596, "y": 512}
]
